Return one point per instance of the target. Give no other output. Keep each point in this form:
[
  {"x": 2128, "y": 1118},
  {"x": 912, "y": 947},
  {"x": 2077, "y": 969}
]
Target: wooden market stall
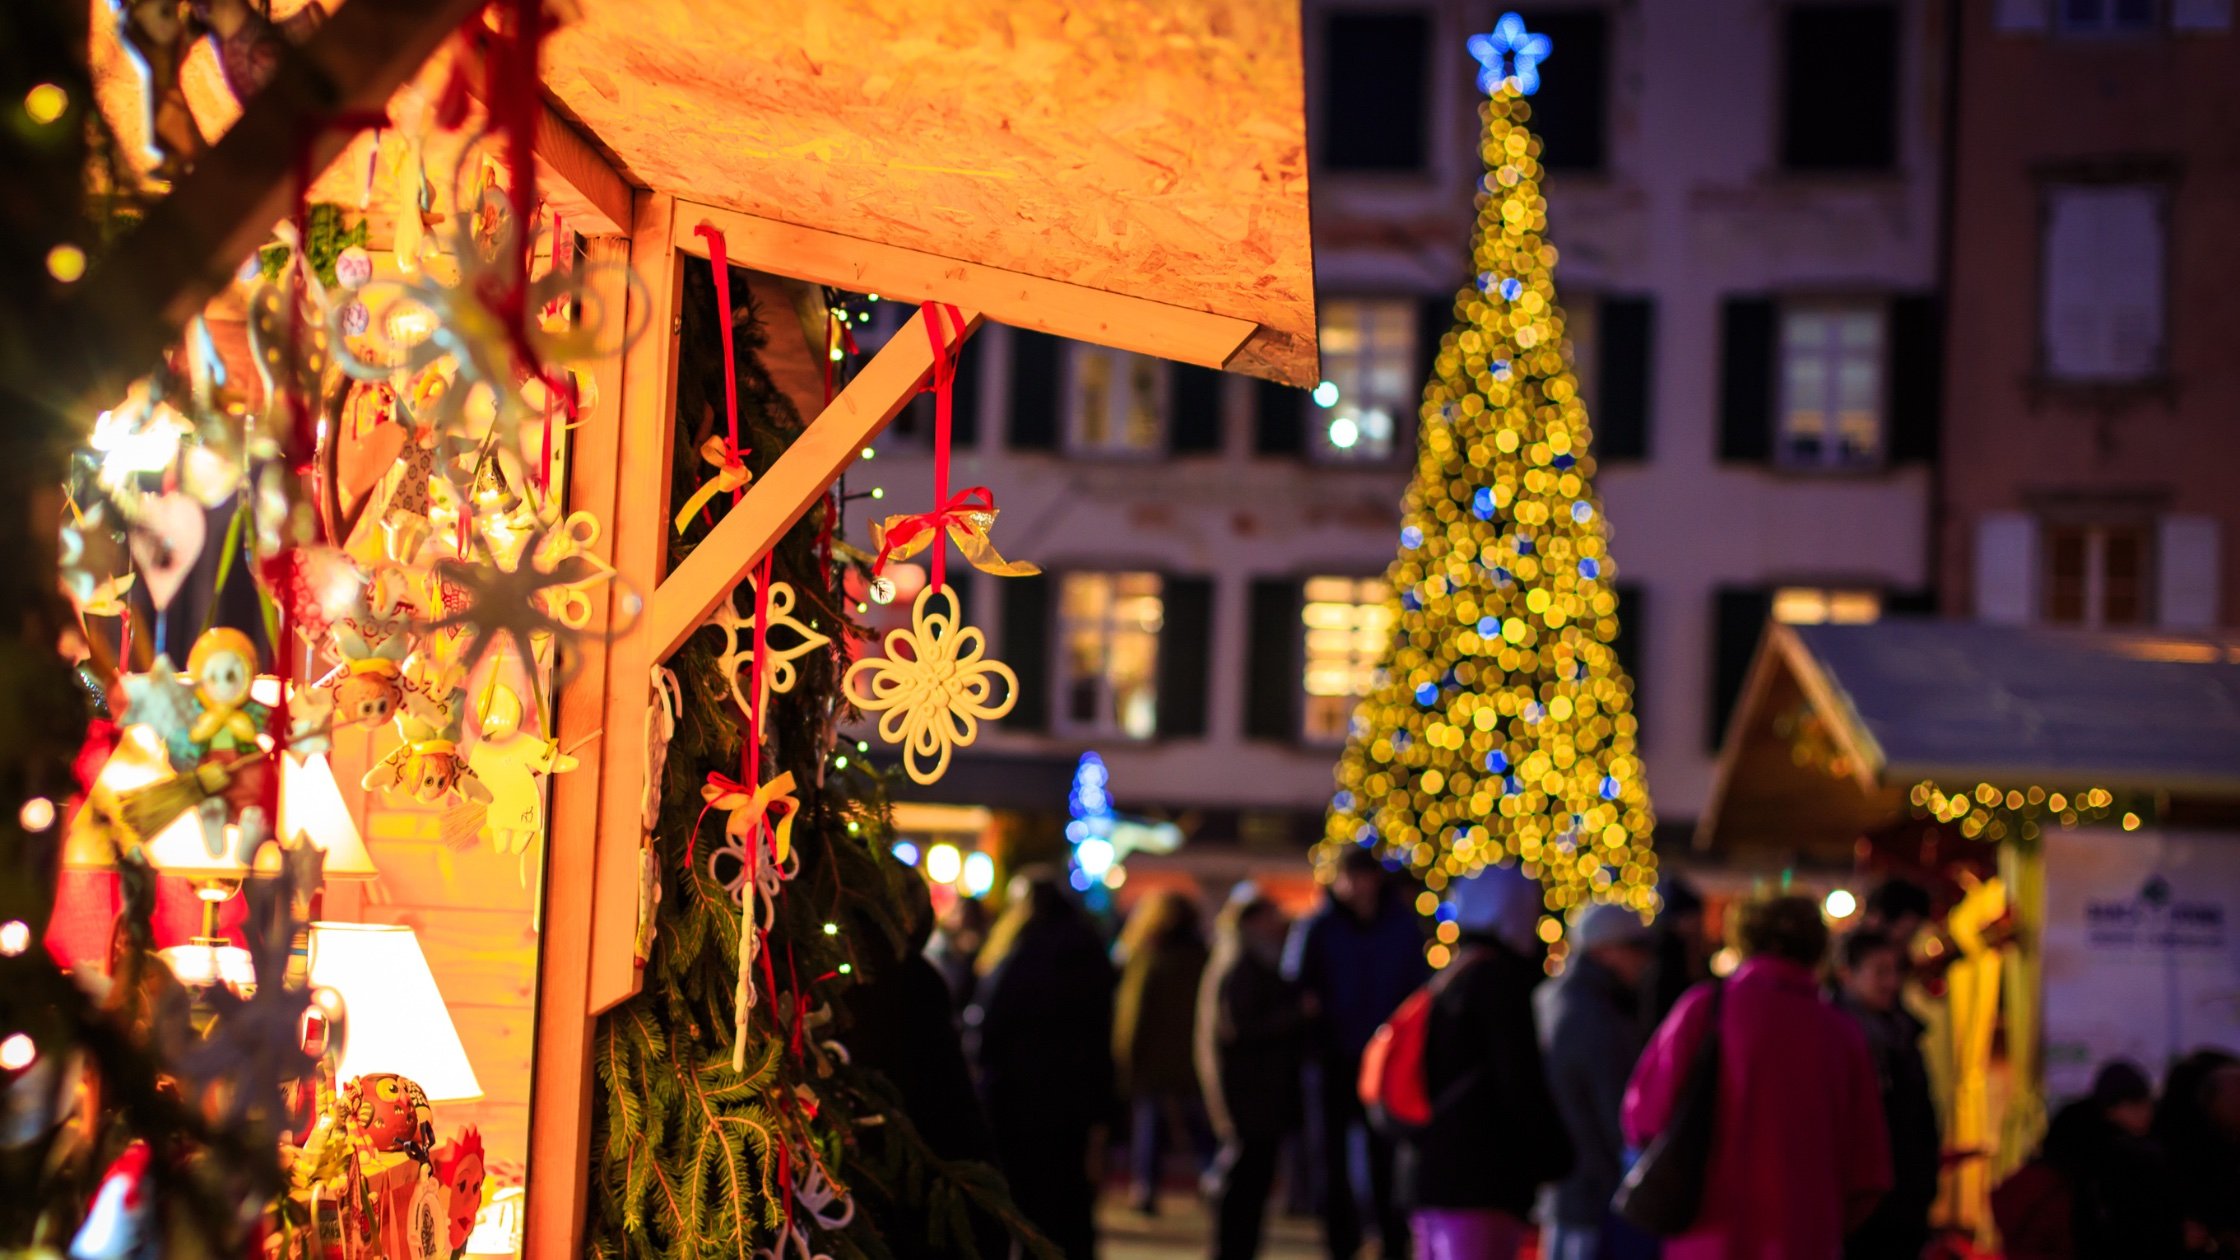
[
  {"x": 2077, "y": 794},
  {"x": 1126, "y": 173}
]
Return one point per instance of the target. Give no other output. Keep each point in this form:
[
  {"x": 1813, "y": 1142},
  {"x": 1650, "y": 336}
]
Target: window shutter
[
  {"x": 1570, "y": 109},
  {"x": 1918, "y": 602},
  {"x": 1633, "y": 608},
  {"x": 2187, "y": 567},
  {"x": 1839, "y": 108},
  {"x": 1376, "y": 101},
  {"x": 1746, "y": 351},
  {"x": 1623, "y": 370},
  {"x": 2006, "y": 568},
  {"x": 964, "y": 398},
  {"x": 1034, "y": 390},
  {"x": 1740, "y": 620},
  {"x": 1433, "y": 323},
  {"x": 1185, "y": 655},
  {"x": 1279, "y": 423},
  {"x": 1916, "y": 378},
  {"x": 1025, "y": 604},
  {"x": 1275, "y": 660},
  {"x": 1194, "y": 414},
  {"x": 2102, "y": 281}
]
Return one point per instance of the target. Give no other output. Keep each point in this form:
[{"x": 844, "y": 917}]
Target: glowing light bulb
[
  {"x": 36, "y": 815},
  {"x": 66, "y": 262},
  {"x": 15, "y": 937},
  {"x": 17, "y": 1052},
  {"x": 979, "y": 873},
  {"x": 1840, "y": 904},
  {"x": 1326, "y": 394},
  {"x": 45, "y": 103},
  {"x": 1344, "y": 433},
  {"x": 944, "y": 863},
  {"x": 905, "y": 852}
]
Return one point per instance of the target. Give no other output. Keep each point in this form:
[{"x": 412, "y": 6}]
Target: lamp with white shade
[{"x": 394, "y": 1019}]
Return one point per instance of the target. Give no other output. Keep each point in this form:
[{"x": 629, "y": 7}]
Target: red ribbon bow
[{"x": 951, "y": 515}]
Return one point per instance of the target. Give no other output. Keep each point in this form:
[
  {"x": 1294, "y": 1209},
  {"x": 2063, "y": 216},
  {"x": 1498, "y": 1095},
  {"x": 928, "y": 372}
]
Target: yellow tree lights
[{"x": 1501, "y": 726}]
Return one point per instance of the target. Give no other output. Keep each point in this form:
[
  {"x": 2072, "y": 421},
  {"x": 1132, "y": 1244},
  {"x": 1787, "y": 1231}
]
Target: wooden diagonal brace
[{"x": 800, "y": 477}]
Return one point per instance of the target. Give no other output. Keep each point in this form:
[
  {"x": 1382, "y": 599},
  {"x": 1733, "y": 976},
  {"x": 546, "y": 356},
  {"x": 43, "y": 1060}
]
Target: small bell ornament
[{"x": 881, "y": 590}]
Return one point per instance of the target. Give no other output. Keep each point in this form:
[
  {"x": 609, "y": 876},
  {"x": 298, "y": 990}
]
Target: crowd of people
[{"x": 1241, "y": 1058}]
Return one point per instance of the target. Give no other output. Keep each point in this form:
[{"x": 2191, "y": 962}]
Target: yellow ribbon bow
[
  {"x": 748, "y": 808},
  {"x": 967, "y": 518},
  {"x": 731, "y": 474}
]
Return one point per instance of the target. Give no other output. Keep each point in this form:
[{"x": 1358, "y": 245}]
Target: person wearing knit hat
[
  {"x": 1590, "y": 1033},
  {"x": 1469, "y": 1193}
]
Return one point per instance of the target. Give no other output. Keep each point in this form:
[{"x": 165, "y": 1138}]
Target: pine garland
[{"x": 687, "y": 1151}]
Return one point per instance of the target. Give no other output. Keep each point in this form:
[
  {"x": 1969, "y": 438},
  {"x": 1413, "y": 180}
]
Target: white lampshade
[
  {"x": 200, "y": 964},
  {"x": 311, "y": 805},
  {"x": 395, "y": 1017}
]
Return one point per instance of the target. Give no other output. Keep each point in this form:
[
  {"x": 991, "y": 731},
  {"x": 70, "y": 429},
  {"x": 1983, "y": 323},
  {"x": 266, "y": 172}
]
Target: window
[
  {"x": 1369, "y": 354},
  {"x": 1108, "y": 627},
  {"x": 1832, "y": 362},
  {"x": 1347, "y": 623},
  {"x": 1839, "y": 107},
  {"x": 2101, "y": 280},
  {"x": 2096, "y": 575},
  {"x": 1821, "y": 605},
  {"x": 1118, "y": 404},
  {"x": 2105, "y": 17},
  {"x": 1570, "y": 109},
  {"x": 1376, "y": 105}
]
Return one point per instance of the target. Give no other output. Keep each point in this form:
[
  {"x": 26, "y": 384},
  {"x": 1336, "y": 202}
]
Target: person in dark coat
[
  {"x": 901, "y": 1024},
  {"x": 1354, "y": 960},
  {"x": 1470, "y": 1176},
  {"x": 1249, "y": 1033},
  {"x": 2198, "y": 1125},
  {"x": 1682, "y": 956},
  {"x": 1591, "y": 1036},
  {"x": 2100, "y": 1187},
  {"x": 1041, "y": 1030},
  {"x": 1162, "y": 959},
  {"x": 1870, "y": 973},
  {"x": 954, "y": 950}
]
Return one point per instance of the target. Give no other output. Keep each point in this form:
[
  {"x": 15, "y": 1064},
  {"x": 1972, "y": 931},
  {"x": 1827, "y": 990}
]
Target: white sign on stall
[{"x": 2142, "y": 950}]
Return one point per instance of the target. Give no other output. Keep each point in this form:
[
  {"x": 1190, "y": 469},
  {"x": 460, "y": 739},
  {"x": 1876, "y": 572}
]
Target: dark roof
[{"x": 1962, "y": 702}]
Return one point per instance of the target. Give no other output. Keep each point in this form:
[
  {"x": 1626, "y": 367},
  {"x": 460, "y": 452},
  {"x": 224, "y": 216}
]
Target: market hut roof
[
  {"x": 1838, "y": 722},
  {"x": 1131, "y": 146}
]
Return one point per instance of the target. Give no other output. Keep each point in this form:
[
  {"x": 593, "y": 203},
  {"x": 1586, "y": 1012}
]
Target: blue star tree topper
[{"x": 1510, "y": 56}]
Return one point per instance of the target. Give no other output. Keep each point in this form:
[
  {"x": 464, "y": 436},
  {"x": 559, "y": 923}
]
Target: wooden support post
[
  {"x": 800, "y": 477},
  {"x": 1007, "y": 297},
  {"x": 609, "y": 478}
]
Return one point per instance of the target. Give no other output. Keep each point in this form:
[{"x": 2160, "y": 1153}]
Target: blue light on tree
[{"x": 1510, "y": 54}]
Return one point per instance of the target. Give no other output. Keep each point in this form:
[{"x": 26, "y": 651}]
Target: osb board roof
[
  {"x": 1909, "y": 699},
  {"x": 1154, "y": 148}
]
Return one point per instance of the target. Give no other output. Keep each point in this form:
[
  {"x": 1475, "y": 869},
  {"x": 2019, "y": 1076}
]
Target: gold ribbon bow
[
  {"x": 747, "y": 808},
  {"x": 967, "y": 518},
  {"x": 731, "y": 474}
]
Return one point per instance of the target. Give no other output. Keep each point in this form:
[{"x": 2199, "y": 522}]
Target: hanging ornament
[
  {"x": 966, "y": 518},
  {"x": 731, "y": 477},
  {"x": 120, "y": 1223},
  {"x": 747, "y": 810},
  {"x": 166, "y": 537},
  {"x": 512, "y": 766},
  {"x": 881, "y": 589},
  {"x": 368, "y": 683},
  {"x": 738, "y": 653},
  {"x": 460, "y": 1168},
  {"x": 933, "y": 687},
  {"x": 209, "y": 727}
]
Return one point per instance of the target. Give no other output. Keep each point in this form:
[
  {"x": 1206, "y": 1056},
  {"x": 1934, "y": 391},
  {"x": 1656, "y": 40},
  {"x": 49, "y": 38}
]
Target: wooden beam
[
  {"x": 142, "y": 292},
  {"x": 560, "y": 1119},
  {"x": 1007, "y": 297},
  {"x": 640, "y": 525},
  {"x": 799, "y": 478},
  {"x": 573, "y": 177}
]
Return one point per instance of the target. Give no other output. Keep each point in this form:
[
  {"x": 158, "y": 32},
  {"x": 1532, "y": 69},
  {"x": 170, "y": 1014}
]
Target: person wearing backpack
[
  {"x": 1798, "y": 1152},
  {"x": 1470, "y": 1174}
]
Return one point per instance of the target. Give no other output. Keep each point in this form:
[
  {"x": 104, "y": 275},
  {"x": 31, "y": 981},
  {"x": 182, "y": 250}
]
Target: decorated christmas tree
[{"x": 1501, "y": 729}]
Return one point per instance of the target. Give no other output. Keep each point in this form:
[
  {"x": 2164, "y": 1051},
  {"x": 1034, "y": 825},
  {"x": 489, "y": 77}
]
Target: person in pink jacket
[{"x": 1799, "y": 1151}]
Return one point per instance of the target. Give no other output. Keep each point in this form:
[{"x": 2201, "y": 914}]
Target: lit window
[
  {"x": 1347, "y": 623},
  {"x": 1118, "y": 403},
  {"x": 1821, "y": 605},
  {"x": 2096, "y": 575},
  {"x": 1369, "y": 355},
  {"x": 2105, "y": 17},
  {"x": 1109, "y": 655},
  {"x": 2102, "y": 282},
  {"x": 1832, "y": 363}
]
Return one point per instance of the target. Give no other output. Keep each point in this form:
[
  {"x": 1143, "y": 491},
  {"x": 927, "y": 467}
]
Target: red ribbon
[
  {"x": 949, "y": 515},
  {"x": 945, "y": 352}
]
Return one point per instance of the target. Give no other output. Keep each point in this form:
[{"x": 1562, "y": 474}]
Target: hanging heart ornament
[{"x": 165, "y": 541}]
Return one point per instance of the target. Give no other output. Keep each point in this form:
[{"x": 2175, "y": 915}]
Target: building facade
[
  {"x": 1744, "y": 195},
  {"x": 2094, "y": 291}
]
